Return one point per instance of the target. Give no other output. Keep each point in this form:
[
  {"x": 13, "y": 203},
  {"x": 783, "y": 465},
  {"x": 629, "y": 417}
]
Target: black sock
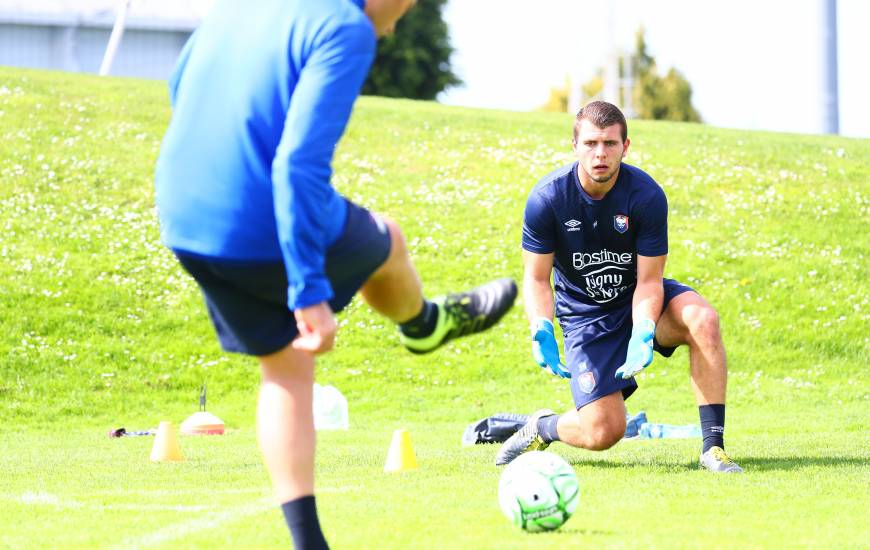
[
  {"x": 712, "y": 425},
  {"x": 547, "y": 428},
  {"x": 423, "y": 324},
  {"x": 301, "y": 518}
]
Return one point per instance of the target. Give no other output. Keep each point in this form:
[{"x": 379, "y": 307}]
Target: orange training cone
[
  {"x": 202, "y": 423},
  {"x": 166, "y": 444},
  {"x": 400, "y": 457}
]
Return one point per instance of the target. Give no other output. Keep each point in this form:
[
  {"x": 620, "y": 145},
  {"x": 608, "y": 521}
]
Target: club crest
[
  {"x": 620, "y": 223},
  {"x": 586, "y": 381}
]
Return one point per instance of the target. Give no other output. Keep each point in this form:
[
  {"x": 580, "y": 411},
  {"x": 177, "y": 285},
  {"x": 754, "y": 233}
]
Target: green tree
[
  {"x": 415, "y": 61},
  {"x": 594, "y": 87},
  {"x": 656, "y": 97},
  {"x": 558, "y": 100}
]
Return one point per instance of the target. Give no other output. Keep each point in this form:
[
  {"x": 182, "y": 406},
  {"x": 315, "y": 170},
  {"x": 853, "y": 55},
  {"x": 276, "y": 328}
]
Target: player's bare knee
[
  {"x": 603, "y": 440},
  {"x": 613, "y": 436},
  {"x": 398, "y": 256},
  {"x": 398, "y": 246},
  {"x": 574, "y": 438},
  {"x": 704, "y": 324},
  {"x": 603, "y": 435}
]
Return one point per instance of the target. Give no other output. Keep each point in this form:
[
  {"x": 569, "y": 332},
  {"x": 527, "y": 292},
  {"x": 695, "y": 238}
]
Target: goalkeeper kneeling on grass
[{"x": 600, "y": 227}]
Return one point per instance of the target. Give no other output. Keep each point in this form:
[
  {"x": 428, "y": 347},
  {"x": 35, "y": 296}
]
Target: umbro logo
[{"x": 573, "y": 225}]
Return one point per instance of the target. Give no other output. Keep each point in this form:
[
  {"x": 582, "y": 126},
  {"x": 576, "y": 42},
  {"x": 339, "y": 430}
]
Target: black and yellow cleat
[
  {"x": 525, "y": 439},
  {"x": 716, "y": 460},
  {"x": 466, "y": 313}
]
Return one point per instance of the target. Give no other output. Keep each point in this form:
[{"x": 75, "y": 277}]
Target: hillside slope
[{"x": 99, "y": 324}]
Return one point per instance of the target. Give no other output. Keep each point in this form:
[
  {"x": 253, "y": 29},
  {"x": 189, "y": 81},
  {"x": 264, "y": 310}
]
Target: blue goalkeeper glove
[
  {"x": 545, "y": 350},
  {"x": 640, "y": 349}
]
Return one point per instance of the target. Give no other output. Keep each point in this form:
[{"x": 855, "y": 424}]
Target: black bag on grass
[{"x": 494, "y": 429}]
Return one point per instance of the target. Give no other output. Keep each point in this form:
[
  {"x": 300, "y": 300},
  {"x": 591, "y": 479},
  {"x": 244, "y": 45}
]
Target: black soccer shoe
[{"x": 466, "y": 313}]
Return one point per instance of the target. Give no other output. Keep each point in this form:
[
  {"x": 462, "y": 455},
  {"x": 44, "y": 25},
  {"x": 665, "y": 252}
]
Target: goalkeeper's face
[
  {"x": 600, "y": 150},
  {"x": 384, "y": 14}
]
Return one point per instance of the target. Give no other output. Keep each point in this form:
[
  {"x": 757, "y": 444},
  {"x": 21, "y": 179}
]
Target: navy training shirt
[
  {"x": 595, "y": 242},
  {"x": 260, "y": 96}
]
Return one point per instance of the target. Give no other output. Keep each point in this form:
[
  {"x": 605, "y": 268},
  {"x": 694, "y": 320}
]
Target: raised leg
[{"x": 394, "y": 290}]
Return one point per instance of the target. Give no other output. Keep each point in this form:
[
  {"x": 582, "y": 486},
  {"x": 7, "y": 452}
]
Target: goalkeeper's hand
[
  {"x": 545, "y": 350},
  {"x": 640, "y": 349}
]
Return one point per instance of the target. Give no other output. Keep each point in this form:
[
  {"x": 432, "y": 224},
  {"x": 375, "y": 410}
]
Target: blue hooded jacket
[{"x": 261, "y": 94}]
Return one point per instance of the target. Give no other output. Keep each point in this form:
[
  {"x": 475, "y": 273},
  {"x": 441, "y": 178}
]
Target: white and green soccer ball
[{"x": 538, "y": 491}]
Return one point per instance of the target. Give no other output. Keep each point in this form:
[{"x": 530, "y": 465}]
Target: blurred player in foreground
[{"x": 260, "y": 97}]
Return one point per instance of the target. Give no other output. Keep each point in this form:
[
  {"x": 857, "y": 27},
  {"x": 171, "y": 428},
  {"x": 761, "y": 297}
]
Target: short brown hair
[{"x": 601, "y": 114}]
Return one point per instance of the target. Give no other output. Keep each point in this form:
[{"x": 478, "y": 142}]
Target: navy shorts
[
  {"x": 596, "y": 347},
  {"x": 247, "y": 301}
]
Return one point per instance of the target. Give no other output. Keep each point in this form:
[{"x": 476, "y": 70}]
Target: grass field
[{"x": 99, "y": 328}]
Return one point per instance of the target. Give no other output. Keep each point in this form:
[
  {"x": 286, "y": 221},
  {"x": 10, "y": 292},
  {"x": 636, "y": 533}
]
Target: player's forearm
[
  {"x": 647, "y": 301},
  {"x": 317, "y": 115},
  {"x": 538, "y": 295}
]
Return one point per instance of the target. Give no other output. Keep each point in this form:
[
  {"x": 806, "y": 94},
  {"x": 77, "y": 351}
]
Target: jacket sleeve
[{"x": 320, "y": 107}]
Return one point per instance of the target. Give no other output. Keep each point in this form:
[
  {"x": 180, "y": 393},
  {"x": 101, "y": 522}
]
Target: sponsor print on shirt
[{"x": 603, "y": 273}]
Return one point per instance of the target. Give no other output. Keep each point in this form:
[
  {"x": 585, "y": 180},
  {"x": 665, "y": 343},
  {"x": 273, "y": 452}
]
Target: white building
[{"x": 71, "y": 35}]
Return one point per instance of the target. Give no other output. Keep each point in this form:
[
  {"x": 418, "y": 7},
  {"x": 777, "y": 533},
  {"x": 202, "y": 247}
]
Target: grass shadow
[
  {"x": 631, "y": 464},
  {"x": 798, "y": 462},
  {"x": 748, "y": 463}
]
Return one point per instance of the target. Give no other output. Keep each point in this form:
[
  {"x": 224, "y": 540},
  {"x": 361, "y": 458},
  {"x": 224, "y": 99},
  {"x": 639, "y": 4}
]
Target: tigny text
[{"x": 603, "y": 273}]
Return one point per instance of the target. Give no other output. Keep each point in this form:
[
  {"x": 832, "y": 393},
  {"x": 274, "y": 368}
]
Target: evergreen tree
[
  {"x": 654, "y": 97},
  {"x": 558, "y": 100},
  {"x": 415, "y": 61}
]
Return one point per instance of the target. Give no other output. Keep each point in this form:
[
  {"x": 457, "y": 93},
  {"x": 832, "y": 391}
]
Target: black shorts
[
  {"x": 596, "y": 347},
  {"x": 247, "y": 301}
]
